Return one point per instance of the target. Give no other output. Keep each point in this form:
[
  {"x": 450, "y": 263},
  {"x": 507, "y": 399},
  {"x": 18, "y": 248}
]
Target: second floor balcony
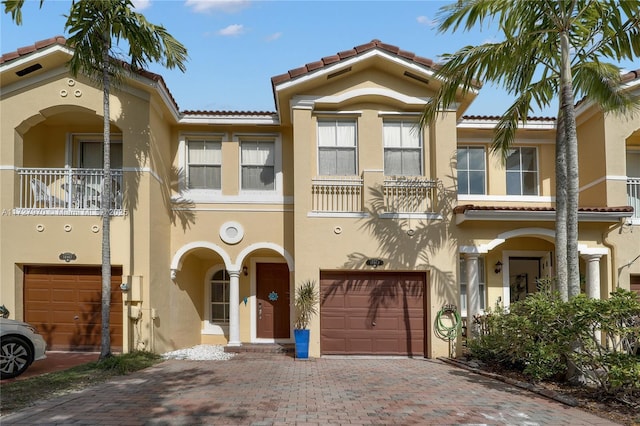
[
  {"x": 396, "y": 196},
  {"x": 66, "y": 191}
]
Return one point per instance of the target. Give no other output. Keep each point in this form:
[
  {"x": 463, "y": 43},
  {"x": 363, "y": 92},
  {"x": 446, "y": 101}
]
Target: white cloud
[
  {"x": 274, "y": 36},
  {"x": 141, "y": 4},
  {"x": 425, "y": 20},
  {"x": 229, "y": 6},
  {"x": 232, "y": 30}
]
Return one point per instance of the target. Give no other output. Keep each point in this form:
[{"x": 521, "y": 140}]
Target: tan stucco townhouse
[{"x": 219, "y": 215}]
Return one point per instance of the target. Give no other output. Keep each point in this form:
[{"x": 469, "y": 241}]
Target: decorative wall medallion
[
  {"x": 231, "y": 232},
  {"x": 95, "y": 229},
  {"x": 67, "y": 228},
  {"x": 273, "y": 296},
  {"x": 39, "y": 227},
  {"x": 63, "y": 93}
]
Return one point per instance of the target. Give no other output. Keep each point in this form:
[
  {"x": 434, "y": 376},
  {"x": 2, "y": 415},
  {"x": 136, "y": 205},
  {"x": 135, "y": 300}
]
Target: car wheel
[{"x": 15, "y": 357}]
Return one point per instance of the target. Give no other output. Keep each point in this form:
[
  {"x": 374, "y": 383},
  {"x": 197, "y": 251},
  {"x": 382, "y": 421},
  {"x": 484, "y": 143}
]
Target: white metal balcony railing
[
  {"x": 64, "y": 191},
  {"x": 409, "y": 195},
  {"x": 633, "y": 195},
  {"x": 337, "y": 194},
  {"x": 399, "y": 195}
]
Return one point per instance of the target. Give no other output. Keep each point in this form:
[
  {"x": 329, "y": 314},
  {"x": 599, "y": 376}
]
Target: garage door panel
[
  {"x": 64, "y": 303},
  {"x": 353, "y": 301}
]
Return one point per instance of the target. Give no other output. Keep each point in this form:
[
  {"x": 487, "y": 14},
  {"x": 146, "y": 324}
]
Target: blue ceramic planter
[{"x": 302, "y": 343}]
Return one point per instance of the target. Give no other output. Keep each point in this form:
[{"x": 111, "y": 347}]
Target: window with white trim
[
  {"x": 219, "y": 298},
  {"x": 463, "y": 284},
  {"x": 522, "y": 171},
  {"x": 257, "y": 165},
  {"x": 204, "y": 164},
  {"x": 402, "y": 148},
  {"x": 336, "y": 147},
  {"x": 472, "y": 172},
  {"x": 92, "y": 157}
]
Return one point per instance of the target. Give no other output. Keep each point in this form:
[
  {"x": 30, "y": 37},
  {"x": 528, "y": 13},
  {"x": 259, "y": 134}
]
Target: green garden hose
[{"x": 448, "y": 332}]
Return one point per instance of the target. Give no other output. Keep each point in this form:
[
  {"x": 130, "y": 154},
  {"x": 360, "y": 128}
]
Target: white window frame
[
  {"x": 482, "y": 284},
  {"x": 196, "y": 195},
  {"x": 76, "y": 140},
  {"x": 188, "y": 163},
  {"x": 326, "y": 119},
  {"x": 468, "y": 170},
  {"x": 209, "y": 327},
  {"x": 401, "y": 148},
  {"x": 521, "y": 172},
  {"x": 274, "y": 194}
]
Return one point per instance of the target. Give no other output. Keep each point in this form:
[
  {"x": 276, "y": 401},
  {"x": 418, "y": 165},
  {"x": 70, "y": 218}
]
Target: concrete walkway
[{"x": 259, "y": 389}]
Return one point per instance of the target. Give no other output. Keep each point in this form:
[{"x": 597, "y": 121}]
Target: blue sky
[{"x": 236, "y": 46}]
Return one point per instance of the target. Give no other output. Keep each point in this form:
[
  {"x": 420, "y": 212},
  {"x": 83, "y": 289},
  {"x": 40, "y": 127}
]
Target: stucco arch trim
[
  {"x": 265, "y": 245},
  {"x": 382, "y": 92},
  {"x": 547, "y": 234},
  {"x": 178, "y": 257}
]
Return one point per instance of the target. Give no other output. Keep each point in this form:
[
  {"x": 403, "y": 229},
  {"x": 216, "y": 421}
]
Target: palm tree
[
  {"x": 551, "y": 48},
  {"x": 93, "y": 27}
]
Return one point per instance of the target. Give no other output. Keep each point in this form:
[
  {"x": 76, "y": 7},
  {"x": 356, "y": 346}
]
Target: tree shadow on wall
[{"x": 403, "y": 245}]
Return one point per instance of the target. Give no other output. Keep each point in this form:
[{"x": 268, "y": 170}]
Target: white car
[{"x": 20, "y": 345}]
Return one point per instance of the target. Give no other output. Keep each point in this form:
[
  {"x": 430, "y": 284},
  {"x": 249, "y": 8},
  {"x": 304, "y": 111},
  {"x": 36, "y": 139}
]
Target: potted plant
[{"x": 306, "y": 300}]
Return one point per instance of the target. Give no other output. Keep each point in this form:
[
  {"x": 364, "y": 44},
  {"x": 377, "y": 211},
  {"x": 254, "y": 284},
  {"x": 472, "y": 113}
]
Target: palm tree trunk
[
  {"x": 571, "y": 144},
  {"x": 561, "y": 210},
  {"x": 105, "y": 204}
]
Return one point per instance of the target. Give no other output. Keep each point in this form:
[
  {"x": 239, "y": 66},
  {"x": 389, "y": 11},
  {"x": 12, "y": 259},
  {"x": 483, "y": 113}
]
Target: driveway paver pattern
[{"x": 265, "y": 389}]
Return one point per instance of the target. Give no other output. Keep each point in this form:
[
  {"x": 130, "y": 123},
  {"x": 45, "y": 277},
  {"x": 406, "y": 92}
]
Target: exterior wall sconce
[
  {"x": 245, "y": 271},
  {"x": 498, "y": 267}
]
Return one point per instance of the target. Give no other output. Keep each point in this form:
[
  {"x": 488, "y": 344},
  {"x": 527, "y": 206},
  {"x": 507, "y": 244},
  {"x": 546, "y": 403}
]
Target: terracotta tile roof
[
  {"x": 467, "y": 207},
  {"x": 498, "y": 117},
  {"x": 42, "y": 44},
  {"x": 227, "y": 113},
  {"x": 347, "y": 54}
]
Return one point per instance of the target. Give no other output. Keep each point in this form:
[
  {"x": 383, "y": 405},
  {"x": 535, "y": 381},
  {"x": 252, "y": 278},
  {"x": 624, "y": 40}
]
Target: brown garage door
[
  {"x": 64, "y": 303},
  {"x": 372, "y": 313}
]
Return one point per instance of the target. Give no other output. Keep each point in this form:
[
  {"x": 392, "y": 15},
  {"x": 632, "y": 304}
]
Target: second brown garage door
[
  {"x": 64, "y": 304},
  {"x": 372, "y": 313}
]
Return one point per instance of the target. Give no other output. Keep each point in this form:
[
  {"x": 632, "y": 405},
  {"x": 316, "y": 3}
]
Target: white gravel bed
[{"x": 200, "y": 353}]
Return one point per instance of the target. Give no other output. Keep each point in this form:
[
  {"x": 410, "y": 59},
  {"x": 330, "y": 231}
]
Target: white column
[
  {"x": 473, "y": 293},
  {"x": 234, "y": 308},
  {"x": 593, "y": 275}
]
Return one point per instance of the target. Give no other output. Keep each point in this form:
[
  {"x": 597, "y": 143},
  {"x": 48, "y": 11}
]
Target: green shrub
[{"x": 541, "y": 335}]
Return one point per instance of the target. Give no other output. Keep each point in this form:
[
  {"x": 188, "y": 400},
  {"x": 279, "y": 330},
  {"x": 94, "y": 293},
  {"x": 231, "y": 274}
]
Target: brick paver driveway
[{"x": 277, "y": 390}]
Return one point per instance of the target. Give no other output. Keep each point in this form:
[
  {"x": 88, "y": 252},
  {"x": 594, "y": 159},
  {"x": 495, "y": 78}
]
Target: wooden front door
[{"x": 272, "y": 297}]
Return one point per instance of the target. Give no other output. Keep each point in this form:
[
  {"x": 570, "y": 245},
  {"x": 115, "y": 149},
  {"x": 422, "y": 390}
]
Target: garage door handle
[{"x": 373, "y": 323}]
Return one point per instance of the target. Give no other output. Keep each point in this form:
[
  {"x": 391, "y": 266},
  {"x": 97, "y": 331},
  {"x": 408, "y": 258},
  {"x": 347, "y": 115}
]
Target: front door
[{"x": 272, "y": 297}]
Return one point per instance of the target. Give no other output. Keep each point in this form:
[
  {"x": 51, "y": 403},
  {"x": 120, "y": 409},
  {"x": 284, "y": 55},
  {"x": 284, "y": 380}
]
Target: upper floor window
[
  {"x": 92, "y": 157},
  {"x": 336, "y": 147},
  {"x": 472, "y": 171},
  {"x": 257, "y": 164},
  {"x": 402, "y": 148},
  {"x": 522, "y": 171},
  {"x": 204, "y": 163}
]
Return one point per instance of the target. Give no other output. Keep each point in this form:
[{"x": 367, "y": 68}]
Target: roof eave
[{"x": 537, "y": 216}]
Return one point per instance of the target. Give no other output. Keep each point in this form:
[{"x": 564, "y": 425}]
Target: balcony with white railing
[
  {"x": 633, "y": 195},
  {"x": 337, "y": 194},
  {"x": 407, "y": 195},
  {"x": 396, "y": 197},
  {"x": 66, "y": 191}
]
